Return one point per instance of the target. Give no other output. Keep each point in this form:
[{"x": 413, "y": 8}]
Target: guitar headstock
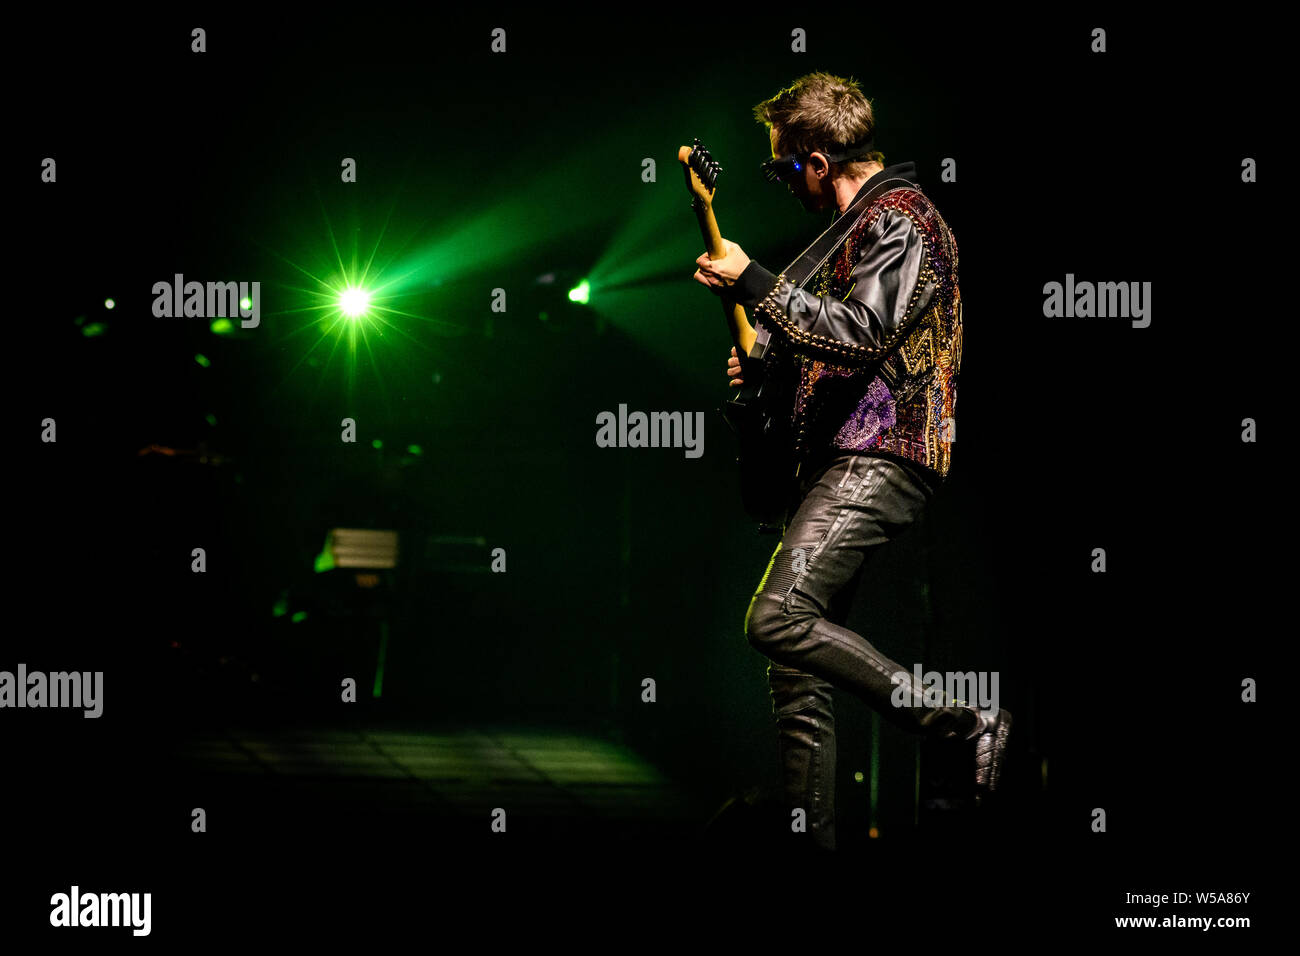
[{"x": 701, "y": 171}]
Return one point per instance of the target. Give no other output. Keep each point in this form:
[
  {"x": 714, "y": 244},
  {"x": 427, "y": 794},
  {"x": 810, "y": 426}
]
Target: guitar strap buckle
[{"x": 762, "y": 336}]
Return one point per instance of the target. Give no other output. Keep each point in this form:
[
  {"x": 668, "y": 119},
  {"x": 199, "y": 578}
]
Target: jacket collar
[{"x": 900, "y": 170}]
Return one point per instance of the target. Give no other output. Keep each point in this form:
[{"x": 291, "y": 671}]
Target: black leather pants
[{"x": 847, "y": 508}]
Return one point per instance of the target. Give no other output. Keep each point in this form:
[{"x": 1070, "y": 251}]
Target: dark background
[{"x": 627, "y": 563}]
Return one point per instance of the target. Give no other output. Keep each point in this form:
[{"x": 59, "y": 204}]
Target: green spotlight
[
  {"x": 222, "y": 326},
  {"x": 93, "y": 329},
  {"x": 202, "y": 360},
  {"x": 246, "y": 304},
  {"x": 354, "y": 301},
  {"x": 109, "y": 303},
  {"x": 580, "y": 293}
]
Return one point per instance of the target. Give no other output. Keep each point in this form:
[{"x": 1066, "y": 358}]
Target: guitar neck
[{"x": 742, "y": 333}]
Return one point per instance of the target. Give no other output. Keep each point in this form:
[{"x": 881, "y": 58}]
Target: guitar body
[{"x": 760, "y": 416}]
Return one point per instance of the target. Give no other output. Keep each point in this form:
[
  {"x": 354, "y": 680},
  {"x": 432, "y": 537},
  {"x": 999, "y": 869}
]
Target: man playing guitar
[{"x": 866, "y": 351}]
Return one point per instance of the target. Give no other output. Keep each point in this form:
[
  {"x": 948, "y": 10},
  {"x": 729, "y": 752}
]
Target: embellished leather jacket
[{"x": 873, "y": 339}]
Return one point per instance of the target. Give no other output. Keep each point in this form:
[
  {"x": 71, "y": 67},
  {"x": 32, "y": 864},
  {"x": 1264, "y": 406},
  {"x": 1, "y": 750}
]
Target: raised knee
[{"x": 773, "y": 622}]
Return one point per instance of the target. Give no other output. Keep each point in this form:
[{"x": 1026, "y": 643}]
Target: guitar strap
[{"x": 806, "y": 265}]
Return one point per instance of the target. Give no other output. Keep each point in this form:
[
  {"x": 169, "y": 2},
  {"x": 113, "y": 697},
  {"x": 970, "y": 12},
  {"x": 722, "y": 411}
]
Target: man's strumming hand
[{"x": 733, "y": 369}]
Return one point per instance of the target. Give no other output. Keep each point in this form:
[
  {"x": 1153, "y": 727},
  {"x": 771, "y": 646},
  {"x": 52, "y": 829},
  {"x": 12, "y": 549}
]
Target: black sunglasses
[
  {"x": 785, "y": 168},
  {"x": 780, "y": 170}
]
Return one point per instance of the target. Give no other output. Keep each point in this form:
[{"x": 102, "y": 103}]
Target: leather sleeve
[{"x": 882, "y": 303}]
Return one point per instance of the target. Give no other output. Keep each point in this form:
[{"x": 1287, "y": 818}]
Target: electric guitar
[{"x": 760, "y": 413}]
